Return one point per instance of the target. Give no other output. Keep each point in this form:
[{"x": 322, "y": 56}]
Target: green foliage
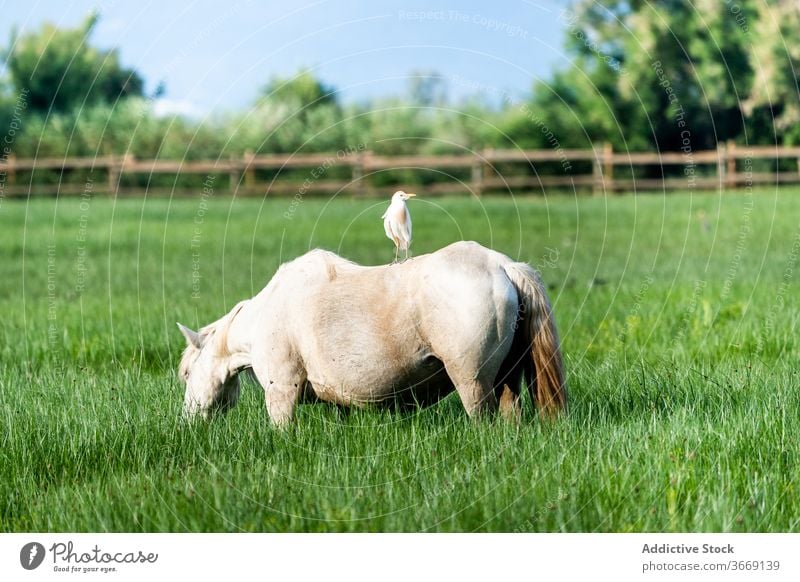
[
  {"x": 644, "y": 75},
  {"x": 775, "y": 89},
  {"x": 6, "y": 103},
  {"x": 61, "y": 71},
  {"x": 300, "y": 92},
  {"x": 281, "y": 128},
  {"x": 125, "y": 127},
  {"x": 294, "y": 114},
  {"x": 649, "y": 75}
]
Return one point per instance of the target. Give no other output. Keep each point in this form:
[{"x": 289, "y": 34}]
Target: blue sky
[{"x": 214, "y": 56}]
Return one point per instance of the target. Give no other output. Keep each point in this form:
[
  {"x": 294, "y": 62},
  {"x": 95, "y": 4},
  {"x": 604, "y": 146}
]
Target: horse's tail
[{"x": 536, "y": 352}]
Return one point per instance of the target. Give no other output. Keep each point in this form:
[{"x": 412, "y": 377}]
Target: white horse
[{"x": 464, "y": 318}]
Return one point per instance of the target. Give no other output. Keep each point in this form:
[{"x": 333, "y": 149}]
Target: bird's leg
[
  {"x": 396, "y": 253},
  {"x": 406, "y": 254}
]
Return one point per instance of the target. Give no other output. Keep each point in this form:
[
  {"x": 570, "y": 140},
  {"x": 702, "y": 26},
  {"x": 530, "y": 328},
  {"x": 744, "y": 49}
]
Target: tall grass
[{"x": 678, "y": 320}]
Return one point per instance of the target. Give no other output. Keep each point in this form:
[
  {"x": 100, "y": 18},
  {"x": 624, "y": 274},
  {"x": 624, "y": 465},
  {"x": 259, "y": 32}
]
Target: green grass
[{"x": 678, "y": 317}]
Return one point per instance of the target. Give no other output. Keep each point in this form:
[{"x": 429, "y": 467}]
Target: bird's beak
[{"x": 411, "y": 195}]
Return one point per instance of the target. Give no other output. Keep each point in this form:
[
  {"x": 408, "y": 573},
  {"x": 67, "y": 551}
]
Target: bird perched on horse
[{"x": 397, "y": 223}]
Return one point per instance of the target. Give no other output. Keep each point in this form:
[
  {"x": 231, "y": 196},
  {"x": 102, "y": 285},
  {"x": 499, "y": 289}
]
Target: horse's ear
[{"x": 192, "y": 337}]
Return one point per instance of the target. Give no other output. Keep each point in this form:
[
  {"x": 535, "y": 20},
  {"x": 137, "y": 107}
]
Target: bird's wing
[
  {"x": 401, "y": 226},
  {"x": 387, "y": 226}
]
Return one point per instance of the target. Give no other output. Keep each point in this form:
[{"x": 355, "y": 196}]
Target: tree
[
  {"x": 776, "y": 60},
  {"x": 298, "y": 113},
  {"x": 654, "y": 73},
  {"x": 427, "y": 89},
  {"x": 8, "y": 102},
  {"x": 300, "y": 92},
  {"x": 61, "y": 71}
]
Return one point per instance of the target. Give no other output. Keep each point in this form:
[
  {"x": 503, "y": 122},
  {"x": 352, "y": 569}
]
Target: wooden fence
[{"x": 727, "y": 167}]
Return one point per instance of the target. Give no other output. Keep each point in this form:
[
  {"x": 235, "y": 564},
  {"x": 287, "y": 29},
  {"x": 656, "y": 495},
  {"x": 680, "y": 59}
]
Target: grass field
[{"x": 678, "y": 317}]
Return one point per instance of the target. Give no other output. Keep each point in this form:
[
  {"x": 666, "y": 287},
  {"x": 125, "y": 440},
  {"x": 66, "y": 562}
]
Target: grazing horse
[{"x": 464, "y": 318}]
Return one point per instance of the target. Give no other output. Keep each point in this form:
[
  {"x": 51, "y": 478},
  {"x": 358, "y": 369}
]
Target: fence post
[
  {"x": 722, "y": 164},
  {"x": 249, "y": 171},
  {"x": 731, "y": 169},
  {"x": 597, "y": 171},
  {"x": 608, "y": 166},
  {"x": 113, "y": 175},
  {"x": 128, "y": 159},
  {"x": 233, "y": 174},
  {"x": 476, "y": 182}
]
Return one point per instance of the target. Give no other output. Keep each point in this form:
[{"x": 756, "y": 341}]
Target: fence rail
[{"x": 729, "y": 166}]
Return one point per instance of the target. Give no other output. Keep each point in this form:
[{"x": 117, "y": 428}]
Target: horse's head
[{"x": 205, "y": 369}]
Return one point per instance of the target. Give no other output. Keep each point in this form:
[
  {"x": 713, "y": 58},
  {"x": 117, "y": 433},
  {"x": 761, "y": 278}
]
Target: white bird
[{"x": 397, "y": 222}]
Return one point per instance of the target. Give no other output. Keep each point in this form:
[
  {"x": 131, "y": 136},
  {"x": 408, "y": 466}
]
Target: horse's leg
[
  {"x": 510, "y": 403},
  {"x": 282, "y": 390},
  {"x": 281, "y": 400},
  {"x": 477, "y": 397},
  {"x": 476, "y": 393}
]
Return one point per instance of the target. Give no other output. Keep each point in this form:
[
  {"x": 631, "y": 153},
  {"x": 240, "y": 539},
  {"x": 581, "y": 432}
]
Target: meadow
[{"x": 678, "y": 315}]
